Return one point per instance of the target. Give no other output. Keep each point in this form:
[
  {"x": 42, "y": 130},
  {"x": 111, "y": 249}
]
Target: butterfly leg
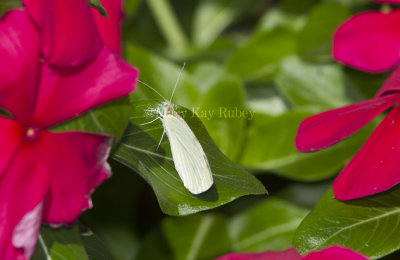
[
  {"x": 150, "y": 121},
  {"x": 159, "y": 143}
]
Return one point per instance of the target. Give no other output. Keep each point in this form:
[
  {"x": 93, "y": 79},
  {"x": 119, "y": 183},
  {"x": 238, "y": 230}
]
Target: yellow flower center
[{"x": 31, "y": 134}]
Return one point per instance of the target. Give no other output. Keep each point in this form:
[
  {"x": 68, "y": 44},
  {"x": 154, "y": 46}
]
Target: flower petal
[
  {"x": 335, "y": 253},
  {"x": 75, "y": 90},
  {"x": 69, "y": 33},
  {"x": 288, "y": 254},
  {"x": 388, "y": 1},
  {"x": 26, "y": 232},
  {"x": 375, "y": 167},
  {"x": 110, "y": 28},
  {"x": 392, "y": 84},
  {"x": 327, "y": 128},
  {"x": 11, "y": 135},
  {"x": 369, "y": 41},
  {"x": 22, "y": 187},
  {"x": 76, "y": 162},
  {"x": 19, "y": 64}
]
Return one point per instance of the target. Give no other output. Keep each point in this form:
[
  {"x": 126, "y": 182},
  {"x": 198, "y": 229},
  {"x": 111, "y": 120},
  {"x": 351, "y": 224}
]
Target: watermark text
[{"x": 223, "y": 112}]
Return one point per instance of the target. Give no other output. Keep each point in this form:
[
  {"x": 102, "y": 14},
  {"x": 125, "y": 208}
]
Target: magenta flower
[
  {"x": 375, "y": 167},
  {"x": 329, "y": 253},
  {"x": 388, "y": 1},
  {"x": 110, "y": 28},
  {"x": 369, "y": 41},
  {"x": 46, "y": 176}
]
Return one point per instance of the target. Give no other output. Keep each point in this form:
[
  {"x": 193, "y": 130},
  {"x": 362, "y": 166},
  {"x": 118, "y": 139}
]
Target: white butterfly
[{"x": 189, "y": 158}]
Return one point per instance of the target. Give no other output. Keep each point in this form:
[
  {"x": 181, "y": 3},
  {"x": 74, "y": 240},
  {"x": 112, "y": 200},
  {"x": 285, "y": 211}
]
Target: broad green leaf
[
  {"x": 260, "y": 57},
  {"x": 118, "y": 207},
  {"x": 131, "y": 6},
  {"x": 98, "y": 6},
  {"x": 270, "y": 225},
  {"x": 111, "y": 118},
  {"x": 222, "y": 108},
  {"x": 60, "y": 244},
  {"x": 353, "y": 3},
  {"x": 155, "y": 246},
  {"x": 369, "y": 225},
  {"x": 270, "y": 146},
  {"x": 315, "y": 40},
  {"x": 200, "y": 236},
  {"x": 304, "y": 194},
  {"x": 121, "y": 241},
  {"x": 138, "y": 150},
  {"x": 213, "y": 16},
  {"x": 275, "y": 18},
  {"x": 314, "y": 86},
  {"x": 95, "y": 247},
  {"x": 225, "y": 116},
  {"x": 297, "y": 7},
  {"x": 206, "y": 74},
  {"x": 265, "y": 99},
  {"x": 365, "y": 84},
  {"x": 161, "y": 74},
  {"x": 6, "y": 5}
]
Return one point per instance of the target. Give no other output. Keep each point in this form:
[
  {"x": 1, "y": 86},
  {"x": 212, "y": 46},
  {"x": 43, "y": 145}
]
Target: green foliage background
[{"x": 272, "y": 58}]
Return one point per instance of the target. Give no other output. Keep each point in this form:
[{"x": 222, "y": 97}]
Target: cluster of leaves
[{"x": 270, "y": 58}]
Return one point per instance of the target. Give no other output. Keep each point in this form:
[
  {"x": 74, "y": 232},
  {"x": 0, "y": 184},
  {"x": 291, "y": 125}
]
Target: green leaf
[
  {"x": 368, "y": 225},
  {"x": 222, "y": 108},
  {"x": 155, "y": 246},
  {"x": 270, "y": 146},
  {"x": 138, "y": 150},
  {"x": 131, "y": 6},
  {"x": 225, "y": 116},
  {"x": 59, "y": 244},
  {"x": 270, "y": 225},
  {"x": 353, "y": 3},
  {"x": 111, "y": 118},
  {"x": 304, "y": 194},
  {"x": 6, "y": 5},
  {"x": 277, "y": 18},
  {"x": 296, "y": 7},
  {"x": 161, "y": 74},
  {"x": 260, "y": 56},
  {"x": 316, "y": 38},
  {"x": 95, "y": 247},
  {"x": 213, "y": 16},
  {"x": 200, "y": 236},
  {"x": 366, "y": 84},
  {"x": 265, "y": 99},
  {"x": 119, "y": 237},
  {"x": 99, "y": 7},
  {"x": 313, "y": 86}
]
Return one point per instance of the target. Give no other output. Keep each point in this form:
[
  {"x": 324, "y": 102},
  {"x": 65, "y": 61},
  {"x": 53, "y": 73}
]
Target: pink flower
[
  {"x": 329, "y": 253},
  {"x": 46, "y": 176},
  {"x": 375, "y": 167},
  {"x": 388, "y": 1},
  {"x": 369, "y": 41},
  {"x": 288, "y": 254},
  {"x": 110, "y": 28}
]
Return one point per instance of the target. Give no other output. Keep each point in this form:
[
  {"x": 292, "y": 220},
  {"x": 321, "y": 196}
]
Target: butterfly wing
[{"x": 189, "y": 158}]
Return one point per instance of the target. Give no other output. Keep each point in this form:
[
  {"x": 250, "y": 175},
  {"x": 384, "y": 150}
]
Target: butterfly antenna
[
  {"x": 177, "y": 80},
  {"x": 147, "y": 85}
]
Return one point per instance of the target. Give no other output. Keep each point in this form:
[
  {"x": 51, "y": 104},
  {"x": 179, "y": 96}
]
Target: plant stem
[{"x": 168, "y": 24}]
